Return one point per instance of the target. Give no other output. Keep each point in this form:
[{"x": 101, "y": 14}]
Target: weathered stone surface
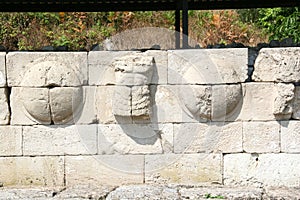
[
  {"x": 4, "y": 112},
  {"x": 134, "y": 101},
  {"x": 39, "y": 69},
  {"x": 84, "y": 191},
  {"x": 183, "y": 169},
  {"x": 28, "y": 193},
  {"x": 227, "y": 102},
  {"x": 258, "y": 102},
  {"x": 2, "y": 69},
  {"x": 283, "y": 100},
  {"x": 296, "y": 103},
  {"x": 105, "y": 170},
  {"x": 281, "y": 193},
  {"x": 277, "y": 64},
  {"x": 101, "y": 70},
  {"x": 160, "y": 70},
  {"x": 122, "y": 101},
  {"x": 58, "y": 140},
  {"x": 208, "y": 137},
  {"x": 261, "y": 137},
  {"x": 140, "y": 101},
  {"x": 135, "y": 138},
  {"x": 168, "y": 106},
  {"x": 204, "y": 66},
  {"x": 19, "y": 115},
  {"x": 35, "y": 102},
  {"x": 142, "y": 192},
  {"x": 219, "y": 192},
  {"x": 197, "y": 100},
  {"x": 11, "y": 140},
  {"x": 133, "y": 69},
  {"x": 65, "y": 104},
  {"x": 42, "y": 171},
  {"x": 88, "y": 113},
  {"x": 60, "y": 105},
  {"x": 262, "y": 170},
  {"x": 104, "y": 106},
  {"x": 290, "y": 136}
]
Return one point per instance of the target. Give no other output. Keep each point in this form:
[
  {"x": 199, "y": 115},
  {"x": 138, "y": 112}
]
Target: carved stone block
[
  {"x": 296, "y": 103},
  {"x": 283, "y": 100},
  {"x": 4, "y": 111},
  {"x": 257, "y": 170},
  {"x": 43, "y": 105},
  {"x": 133, "y": 76},
  {"x": 207, "y": 66},
  {"x": 278, "y": 64},
  {"x": 44, "y": 69}
]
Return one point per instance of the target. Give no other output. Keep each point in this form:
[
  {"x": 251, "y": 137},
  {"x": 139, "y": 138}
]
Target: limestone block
[
  {"x": 196, "y": 100},
  {"x": 277, "y": 64},
  {"x": 140, "y": 101},
  {"x": 258, "y": 102},
  {"x": 143, "y": 192},
  {"x": 60, "y": 140},
  {"x": 225, "y": 192},
  {"x": 104, "y": 106},
  {"x": 135, "y": 138},
  {"x": 11, "y": 140},
  {"x": 101, "y": 70},
  {"x": 261, "y": 137},
  {"x": 281, "y": 193},
  {"x": 104, "y": 170},
  {"x": 160, "y": 70},
  {"x": 28, "y": 192},
  {"x": 296, "y": 103},
  {"x": 66, "y": 104},
  {"x": 36, "y": 105},
  {"x": 227, "y": 101},
  {"x": 207, "y": 66},
  {"x": 134, "y": 69},
  {"x": 134, "y": 101},
  {"x": 169, "y": 105},
  {"x": 122, "y": 101},
  {"x": 283, "y": 101},
  {"x": 60, "y": 105},
  {"x": 183, "y": 169},
  {"x": 40, "y": 69},
  {"x": 2, "y": 69},
  {"x": 290, "y": 136},
  {"x": 88, "y": 114},
  {"x": 39, "y": 171},
  {"x": 4, "y": 111},
  {"x": 208, "y": 137},
  {"x": 262, "y": 170}
]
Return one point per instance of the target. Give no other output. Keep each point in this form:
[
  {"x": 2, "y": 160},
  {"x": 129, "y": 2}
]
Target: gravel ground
[{"x": 149, "y": 192}]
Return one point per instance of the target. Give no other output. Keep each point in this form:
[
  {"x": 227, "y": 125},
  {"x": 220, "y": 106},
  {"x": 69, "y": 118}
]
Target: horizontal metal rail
[{"x": 134, "y": 5}]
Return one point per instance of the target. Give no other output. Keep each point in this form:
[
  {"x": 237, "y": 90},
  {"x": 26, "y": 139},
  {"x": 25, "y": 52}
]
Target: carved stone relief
[
  {"x": 50, "y": 102},
  {"x": 133, "y": 77}
]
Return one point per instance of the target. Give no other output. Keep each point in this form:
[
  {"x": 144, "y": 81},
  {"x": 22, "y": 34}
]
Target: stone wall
[{"x": 122, "y": 117}]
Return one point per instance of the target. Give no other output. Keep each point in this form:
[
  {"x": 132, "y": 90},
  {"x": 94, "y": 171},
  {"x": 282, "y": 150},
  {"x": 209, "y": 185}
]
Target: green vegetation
[
  {"x": 281, "y": 22},
  {"x": 209, "y": 196},
  {"x": 80, "y": 30}
]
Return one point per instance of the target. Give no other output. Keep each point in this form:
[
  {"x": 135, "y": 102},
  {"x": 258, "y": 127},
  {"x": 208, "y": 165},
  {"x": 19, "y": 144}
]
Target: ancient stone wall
[{"x": 122, "y": 117}]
